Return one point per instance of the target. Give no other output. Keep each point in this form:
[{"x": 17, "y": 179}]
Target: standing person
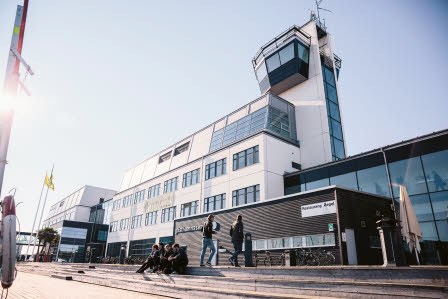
[
  {"x": 179, "y": 260},
  {"x": 207, "y": 240},
  {"x": 152, "y": 261},
  {"x": 236, "y": 232}
]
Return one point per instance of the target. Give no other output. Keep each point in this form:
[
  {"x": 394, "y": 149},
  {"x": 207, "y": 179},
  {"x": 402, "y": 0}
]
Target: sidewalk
[{"x": 31, "y": 286}]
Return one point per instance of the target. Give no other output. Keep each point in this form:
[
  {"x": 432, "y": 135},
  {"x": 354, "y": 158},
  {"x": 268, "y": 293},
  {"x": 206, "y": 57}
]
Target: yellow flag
[{"x": 49, "y": 181}]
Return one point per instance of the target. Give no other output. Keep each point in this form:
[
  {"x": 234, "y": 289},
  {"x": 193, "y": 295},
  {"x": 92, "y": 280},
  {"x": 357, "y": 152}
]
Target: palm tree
[{"x": 47, "y": 235}]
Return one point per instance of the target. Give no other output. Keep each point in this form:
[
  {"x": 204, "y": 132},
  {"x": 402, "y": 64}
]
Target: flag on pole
[{"x": 49, "y": 181}]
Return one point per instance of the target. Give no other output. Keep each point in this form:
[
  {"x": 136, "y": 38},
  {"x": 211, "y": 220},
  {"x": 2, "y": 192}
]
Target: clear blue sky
[{"x": 117, "y": 81}]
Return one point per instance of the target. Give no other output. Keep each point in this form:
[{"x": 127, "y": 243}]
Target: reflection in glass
[
  {"x": 273, "y": 62},
  {"x": 429, "y": 232},
  {"x": 338, "y": 148},
  {"x": 439, "y": 202},
  {"x": 436, "y": 170},
  {"x": 374, "y": 180},
  {"x": 442, "y": 228},
  {"x": 287, "y": 53},
  {"x": 317, "y": 184},
  {"x": 303, "y": 53},
  {"x": 408, "y": 172},
  {"x": 422, "y": 208},
  {"x": 347, "y": 180}
]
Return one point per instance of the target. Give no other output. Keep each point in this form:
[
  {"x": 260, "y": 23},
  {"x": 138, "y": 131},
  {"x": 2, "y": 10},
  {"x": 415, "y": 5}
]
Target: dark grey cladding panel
[{"x": 280, "y": 218}]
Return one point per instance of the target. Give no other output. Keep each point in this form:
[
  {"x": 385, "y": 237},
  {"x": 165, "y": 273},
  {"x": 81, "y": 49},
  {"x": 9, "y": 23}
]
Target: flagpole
[
  {"x": 35, "y": 217},
  {"x": 43, "y": 208},
  {"x": 40, "y": 220}
]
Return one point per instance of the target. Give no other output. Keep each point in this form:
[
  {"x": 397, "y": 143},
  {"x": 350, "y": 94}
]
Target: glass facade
[
  {"x": 277, "y": 118},
  {"x": 334, "y": 116},
  {"x": 72, "y": 244},
  {"x": 422, "y": 166},
  {"x": 141, "y": 247}
]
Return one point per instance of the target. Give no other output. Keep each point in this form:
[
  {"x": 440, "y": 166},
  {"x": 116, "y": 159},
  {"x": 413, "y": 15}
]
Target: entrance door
[{"x": 351, "y": 247}]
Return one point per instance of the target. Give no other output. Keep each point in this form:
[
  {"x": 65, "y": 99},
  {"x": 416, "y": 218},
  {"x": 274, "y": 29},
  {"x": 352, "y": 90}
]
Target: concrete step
[{"x": 289, "y": 287}]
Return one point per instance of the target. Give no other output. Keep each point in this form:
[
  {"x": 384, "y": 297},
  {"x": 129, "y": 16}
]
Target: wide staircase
[{"x": 260, "y": 282}]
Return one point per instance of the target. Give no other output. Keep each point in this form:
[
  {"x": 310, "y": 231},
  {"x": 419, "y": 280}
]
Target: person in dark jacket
[
  {"x": 152, "y": 261},
  {"x": 179, "y": 260},
  {"x": 165, "y": 264},
  {"x": 207, "y": 240},
  {"x": 236, "y": 232}
]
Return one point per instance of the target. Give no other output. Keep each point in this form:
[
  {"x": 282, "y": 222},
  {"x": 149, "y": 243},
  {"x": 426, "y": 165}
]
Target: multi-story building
[
  {"x": 242, "y": 157},
  {"x": 81, "y": 220}
]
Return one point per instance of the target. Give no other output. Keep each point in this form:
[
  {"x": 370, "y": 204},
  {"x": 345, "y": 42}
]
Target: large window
[
  {"x": 113, "y": 226},
  {"x": 408, "y": 172},
  {"x": 215, "y": 169},
  {"x": 190, "y": 178},
  {"x": 116, "y": 205},
  {"x": 281, "y": 57},
  {"x": 124, "y": 224},
  {"x": 139, "y": 196},
  {"x": 246, "y": 195},
  {"x": 151, "y": 218},
  {"x": 189, "y": 208},
  {"x": 374, "y": 180},
  {"x": 164, "y": 157},
  {"x": 278, "y": 122},
  {"x": 127, "y": 201},
  {"x": 213, "y": 203},
  {"x": 170, "y": 185},
  {"x": 137, "y": 221},
  {"x": 154, "y": 191},
  {"x": 168, "y": 214},
  {"x": 240, "y": 129},
  {"x": 245, "y": 158},
  {"x": 347, "y": 180},
  {"x": 436, "y": 170},
  {"x": 182, "y": 148}
]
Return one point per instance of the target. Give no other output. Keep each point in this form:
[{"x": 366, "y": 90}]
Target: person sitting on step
[
  {"x": 165, "y": 265},
  {"x": 179, "y": 260},
  {"x": 152, "y": 261}
]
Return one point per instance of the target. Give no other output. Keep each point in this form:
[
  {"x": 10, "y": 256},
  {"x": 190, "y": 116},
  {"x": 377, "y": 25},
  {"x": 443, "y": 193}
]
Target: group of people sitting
[{"x": 168, "y": 260}]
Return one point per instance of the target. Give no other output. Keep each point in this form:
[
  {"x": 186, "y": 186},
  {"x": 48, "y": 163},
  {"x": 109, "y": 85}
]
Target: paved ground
[{"x": 34, "y": 286}]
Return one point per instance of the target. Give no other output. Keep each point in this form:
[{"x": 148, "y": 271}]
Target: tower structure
[{"x": 299, "y": 66}]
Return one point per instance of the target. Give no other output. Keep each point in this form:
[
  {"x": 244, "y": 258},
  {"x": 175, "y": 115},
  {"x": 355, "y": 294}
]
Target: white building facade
[
  {"x": 76, "y": 206},
  {"x": 241, "y": 158}
]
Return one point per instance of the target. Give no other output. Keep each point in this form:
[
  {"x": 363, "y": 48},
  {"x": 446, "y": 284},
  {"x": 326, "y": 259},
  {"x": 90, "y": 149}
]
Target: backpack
[{"x": 231, "y": 230}]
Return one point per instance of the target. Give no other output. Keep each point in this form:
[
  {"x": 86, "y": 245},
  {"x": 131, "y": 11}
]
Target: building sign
[
  {"x": 194, "y": 228},
  {"x": 320, "y": 208},
  {"x": 160, "y": 202},
  {"x": 187, "y": 229}
]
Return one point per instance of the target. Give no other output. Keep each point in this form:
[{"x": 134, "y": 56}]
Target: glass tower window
[
  {"x": 286, "y": 54},
  {"x": 273, "y": 62},
  {"x": 334, "y": 117}
]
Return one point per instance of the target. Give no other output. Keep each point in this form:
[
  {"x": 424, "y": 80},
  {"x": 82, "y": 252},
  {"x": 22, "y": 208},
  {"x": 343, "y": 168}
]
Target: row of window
[
  {"x": 217, "y": 202},
  {"x": 242, "y": 159}
]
